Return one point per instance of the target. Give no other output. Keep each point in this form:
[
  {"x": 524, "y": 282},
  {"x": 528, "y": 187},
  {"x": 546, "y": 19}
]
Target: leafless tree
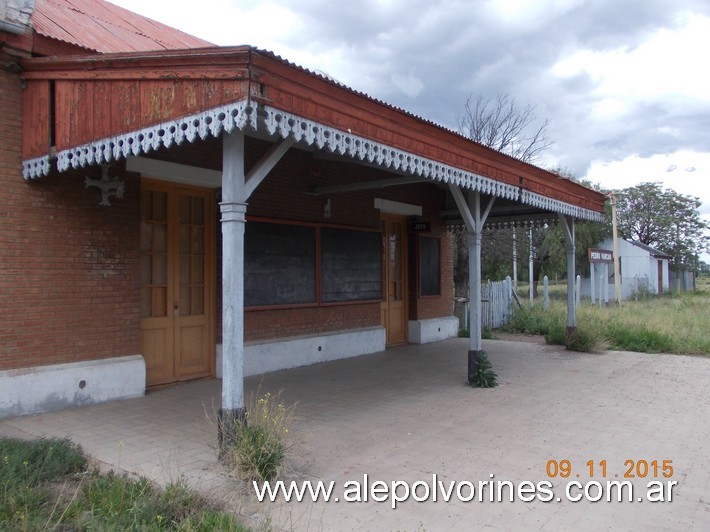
[{"x": 506, "y": 126}]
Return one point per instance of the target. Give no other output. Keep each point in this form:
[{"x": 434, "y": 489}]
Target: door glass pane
[
  {"x": 146, "y": 269},
  {"x": 198, "y": 211},
  {"x": 153, "y": 259},
  {"x": 160, "y": 237},
  {"x": 160, "y": 206},
  {"x": 185, "y": 210},
  {"x": 185, "y": 245},
  {"x": 197, "y": 242},
  {"x": 185, "y": 270},
  {"x": 160, "y": 270},
  {"x": 198, "y": 270},
  {"x": 146, "y": 236},
  {"x": 191, "y": 255},
  {"x": 186, "y": 301}
]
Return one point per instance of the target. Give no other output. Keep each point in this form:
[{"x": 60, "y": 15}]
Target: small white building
[{"x": 642, "y": 268}]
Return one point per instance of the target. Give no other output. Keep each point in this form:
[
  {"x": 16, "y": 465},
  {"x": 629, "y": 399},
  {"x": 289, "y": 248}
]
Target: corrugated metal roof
[
  {"x": 103, "y": 27},
  {"x": 652, "y": 251}
]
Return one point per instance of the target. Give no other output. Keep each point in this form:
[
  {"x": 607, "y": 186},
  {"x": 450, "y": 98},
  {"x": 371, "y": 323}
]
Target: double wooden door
[{"x": 177, "y": 278}]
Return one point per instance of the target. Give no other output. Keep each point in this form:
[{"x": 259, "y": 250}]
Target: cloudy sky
[{"x": 622, "y": 82}]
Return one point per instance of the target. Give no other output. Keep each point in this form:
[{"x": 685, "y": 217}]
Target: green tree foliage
[
  {"x": 664, "y": 219},
  {"x": 549, "y": 248}
]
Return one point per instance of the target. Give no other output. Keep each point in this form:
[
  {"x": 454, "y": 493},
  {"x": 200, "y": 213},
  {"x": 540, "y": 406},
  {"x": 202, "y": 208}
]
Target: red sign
[{"x": 600, "y": 255}]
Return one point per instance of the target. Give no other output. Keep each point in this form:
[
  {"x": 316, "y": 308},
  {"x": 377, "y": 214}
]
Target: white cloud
[
  {"x": 668, "y": 63},
  {"x": 410, "y": 84}
]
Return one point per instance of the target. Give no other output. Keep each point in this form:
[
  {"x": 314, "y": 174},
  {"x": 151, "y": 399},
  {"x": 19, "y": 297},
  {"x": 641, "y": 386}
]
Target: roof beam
[
  {"x": 274, "y": 154},
  {"x": 367, "y": 185},
  {"x": 463, "y": 208}
]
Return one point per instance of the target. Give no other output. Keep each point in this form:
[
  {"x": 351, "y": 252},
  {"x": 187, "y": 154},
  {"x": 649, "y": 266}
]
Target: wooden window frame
[
  {"x": 419, "y": 269},
  {"x": 318, "y": 277}
]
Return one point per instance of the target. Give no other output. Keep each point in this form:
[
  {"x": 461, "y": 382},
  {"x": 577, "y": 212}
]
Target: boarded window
[
  {"x": 429, "y": 266},
  {"x": 351, "y": 265},
  {"x": 279, "y": 264}
]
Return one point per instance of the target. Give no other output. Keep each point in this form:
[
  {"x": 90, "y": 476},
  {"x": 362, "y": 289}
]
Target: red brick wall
[{"x": 68, "y": 267}]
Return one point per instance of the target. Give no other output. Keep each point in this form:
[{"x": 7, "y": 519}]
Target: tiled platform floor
[{"x": 406, "y": 414}]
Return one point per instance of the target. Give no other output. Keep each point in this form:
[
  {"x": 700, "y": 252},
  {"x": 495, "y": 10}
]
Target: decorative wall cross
[{"x": 109, "y": 186}]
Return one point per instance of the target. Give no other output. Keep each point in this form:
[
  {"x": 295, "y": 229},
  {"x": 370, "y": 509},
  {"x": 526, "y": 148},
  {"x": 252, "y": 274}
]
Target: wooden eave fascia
[
  {"x": 318, "y": 99},
  {"x": 194, "y": 63},
  {"x": 451, "y": 148}
]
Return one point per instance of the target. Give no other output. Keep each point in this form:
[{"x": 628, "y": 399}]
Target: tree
[
  {"x": 666, "y": 220},
  {"x": 506, "y": 126},
  {"x": 502, "y": 124}
]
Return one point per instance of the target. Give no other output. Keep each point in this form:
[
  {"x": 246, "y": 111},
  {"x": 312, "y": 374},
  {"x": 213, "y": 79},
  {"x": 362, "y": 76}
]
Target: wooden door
[
  {"x": 176, "y": 282},
  {"x": 660, "y": 276},
  {"x": 394, "y": 308}
]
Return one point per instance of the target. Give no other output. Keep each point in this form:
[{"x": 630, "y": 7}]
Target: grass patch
[
  {"x": 45, "y": 485},
  {"x": 486, "y": 334},
  {"x": 662, "y": 324},
  {"x": 582, "y": 339},
  {"x": 261, "y": 444}
]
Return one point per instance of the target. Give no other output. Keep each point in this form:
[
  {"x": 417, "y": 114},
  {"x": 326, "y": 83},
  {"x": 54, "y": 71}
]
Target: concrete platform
[{"x": 406, "y": 414}]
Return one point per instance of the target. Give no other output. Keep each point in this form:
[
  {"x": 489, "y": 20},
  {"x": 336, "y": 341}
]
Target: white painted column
[
  {"x": 592, "y": 282},
  {"x": 474, "y": 219},
  {"x": 515, "y": 260},
  {"x": 233, "y": 208},
  {"x": 531, "y": 265},
  {"x": 568, "y": 230},
  {"x": 475, "y": 343}
]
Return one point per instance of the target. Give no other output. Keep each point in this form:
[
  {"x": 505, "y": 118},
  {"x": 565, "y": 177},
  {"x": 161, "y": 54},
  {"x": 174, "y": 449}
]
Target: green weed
[
  {"x": 45, "y": 485},
  {"x": 261, "y": 443}
]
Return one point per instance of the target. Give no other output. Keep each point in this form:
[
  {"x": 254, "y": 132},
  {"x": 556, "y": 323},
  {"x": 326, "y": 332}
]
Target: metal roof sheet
[
  {"x": 652, "y": 251},
  {"x": 103, "y": 27}
]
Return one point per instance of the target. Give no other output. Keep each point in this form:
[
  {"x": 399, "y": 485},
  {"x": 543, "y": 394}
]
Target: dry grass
[{"x": 670, "y": 323}]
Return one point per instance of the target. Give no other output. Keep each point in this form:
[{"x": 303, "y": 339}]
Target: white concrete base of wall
[
  {"x": 284, "y": 353},
  {"x": 433, "y": 330},
  {"x": 47, "y": 388}
]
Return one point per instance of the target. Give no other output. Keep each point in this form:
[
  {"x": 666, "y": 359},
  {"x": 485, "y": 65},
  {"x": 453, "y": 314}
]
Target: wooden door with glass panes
[
  {"x": 394, "y": 307},
  {"x": 176, "y": 282}
]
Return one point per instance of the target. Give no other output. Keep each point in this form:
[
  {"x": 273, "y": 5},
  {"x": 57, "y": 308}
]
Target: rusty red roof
[{"x": 103, "y": 27}]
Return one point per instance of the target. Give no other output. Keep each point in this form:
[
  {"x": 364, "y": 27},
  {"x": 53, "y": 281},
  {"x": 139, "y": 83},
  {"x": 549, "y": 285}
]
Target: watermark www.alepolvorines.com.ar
[{"x": 434, "y": 490}]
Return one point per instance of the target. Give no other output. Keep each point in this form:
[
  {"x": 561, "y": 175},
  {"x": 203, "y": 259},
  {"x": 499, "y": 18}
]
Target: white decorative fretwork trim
[
  {"x": 550, "y": 204},
  {"x": 38, "y": 167},
  {"x": 239, "y": 115},
  {"x": 212, "y": 122},
  {"x": 345, "y": 143}
]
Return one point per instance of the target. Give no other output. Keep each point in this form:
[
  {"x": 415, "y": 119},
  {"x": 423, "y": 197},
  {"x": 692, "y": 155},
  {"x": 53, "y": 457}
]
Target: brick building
[{"x": 131, "y": 159}]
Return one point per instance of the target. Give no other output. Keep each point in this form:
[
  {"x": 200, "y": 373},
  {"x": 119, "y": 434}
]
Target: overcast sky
[{"x": 624, "y": 83}]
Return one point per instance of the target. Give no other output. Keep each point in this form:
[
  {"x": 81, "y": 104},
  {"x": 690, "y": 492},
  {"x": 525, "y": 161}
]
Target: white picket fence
[{"x": 496, "y": 305}]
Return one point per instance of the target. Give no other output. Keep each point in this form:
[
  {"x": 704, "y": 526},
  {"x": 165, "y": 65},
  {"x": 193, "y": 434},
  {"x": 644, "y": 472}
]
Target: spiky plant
[{"x": 483, "y": 375}]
